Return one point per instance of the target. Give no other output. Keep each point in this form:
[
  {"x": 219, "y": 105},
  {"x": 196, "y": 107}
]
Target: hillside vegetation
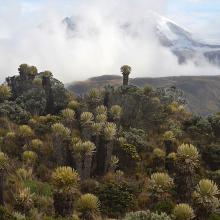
[
  {"x": 202, "y": 92},
  {"x": 122, "y": 152}
]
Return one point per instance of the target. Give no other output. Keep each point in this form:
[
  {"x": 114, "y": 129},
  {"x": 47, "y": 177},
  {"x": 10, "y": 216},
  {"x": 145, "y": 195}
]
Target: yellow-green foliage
[
  {"x": 169, "y": 136},
  {"x": 110, "y": 130},
  {"x": 206, "y": 195},
  {"x": 101, "y": 109},
  {"x": 74, "y": 217},
  {"x": 10, "y": 135},
  {"x": 83, "y": 147},
  {"x": 60, "y": 130},
  {"x": 126, "y": 69},
  {"x": 116, "y": 111},
  {"x": 36, "y": 144},
  {"x": 94, "y": 95},
  {"x": 24, "y": 199},
  {"x": 78, "y": 147},
  {"x": 188, "y": 151},
  {"x": 96, "y": 128},
  {"x": 207, "y": 188},
  {"x": 24, "y": 174},
  {"x": 176, "y": 107},
  {"x": 171, "y": 156},
  {"x": 183, "y": 212},
  {"x": 101, "y": 118},
  {"x": 86, "y": 118},
  {"x": 89, "y": 147},
  {"x": 29, "y": 157},
  {"x": 88, "y": 203},
  {"x": 159, "y": 153},
  {"x": 68, "y": 114},
  {"x": 3, "y": 161},
  {"x": 122, "y": 140},
  {"x": 114, "y": 161},
  {"x": 161, "y": 183},
  {"x": 187, "y": 158},
  {"x": 131, "y": 150},
  {"x": 19, "y": 216},
  {"x": 37, "y": 82},
  {"x": 5, "y": 92},
  {"x": 25, "y": 131},
  {"x": 73, "y": 105},
  {"x": 65, "y": 178}
]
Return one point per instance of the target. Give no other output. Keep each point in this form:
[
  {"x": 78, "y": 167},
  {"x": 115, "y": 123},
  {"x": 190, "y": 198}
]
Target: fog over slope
[{"x": 107, "y": 34}]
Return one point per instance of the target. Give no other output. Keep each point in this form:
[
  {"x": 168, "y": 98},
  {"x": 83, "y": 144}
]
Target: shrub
[
  {"x": 140, "y": 215},
  {"x": 211, "y": 155},
  {"x": 110, "y": 130},
  {"x": 116, "y": 111},
  {"x": 101, "y": 109},
  {"x": 5, "y": 92},
  {"x": 15, "y": 112},
  {"x": 40, "y": 188},
  {"x": 73, "y": 105},
  {"x": 158, "y": 153},
  {"x": 25, "y": 131},
  {"x": 161, "y": 216},
  {"x": 164, "y": 206},
  {"x": 131, "y": 150},
  {"x": 160, "y": 186},
  {"x": 205, "y": 197},
  {"x": 116, "y": 199},
  {"x": 29, "y": 157},
  {"x": 101, "y": 118},
  {"x": 5, "y": 215},
  {"x": 214, "y": 217},
  {"x": 24, "y": 200},
  {"x": 183, "y": 212},
  {"x": 3, "y": 161},
  {"x": 86, "y": 118},
  {"x": 89, "y": 206},
  {"x": 65, "y": 178},
  {"x": 59, "y": 130}
]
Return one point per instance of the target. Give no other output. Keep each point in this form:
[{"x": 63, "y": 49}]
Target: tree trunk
[
  {"x": 79, "y": 166},
  {"x": 87, "y": 166},
  {"x": 57, "y": 151},
  {"x": 96, "y": 141},
  {"x": 49, "y": 95},
  {"x": 86, "y": 133},
  {"x": 168, "y": 146},
  {"x": 125, "y": 79},
  {"x": 63, "y": 203},
  {"x": 109, "y": 149},
  {"x": 101, "y": 155},
  {"x": 1, "y": 188}
]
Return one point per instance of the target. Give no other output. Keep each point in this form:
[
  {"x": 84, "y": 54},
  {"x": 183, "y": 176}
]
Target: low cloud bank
[{"x": 107, "y": 34}]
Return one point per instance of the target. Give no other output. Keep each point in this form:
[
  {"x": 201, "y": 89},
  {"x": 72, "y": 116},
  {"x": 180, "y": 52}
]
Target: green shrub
[
  {"x": 164, "y": 206},
  {"x": 116, "y": 199},
  {"x": 131, "y": 150},
  {"x": 40, "y": 188},
  {"x": 211, "y": 155},
  {"x": 5, "y": 215},
  {"x": 214, "y": 217}
]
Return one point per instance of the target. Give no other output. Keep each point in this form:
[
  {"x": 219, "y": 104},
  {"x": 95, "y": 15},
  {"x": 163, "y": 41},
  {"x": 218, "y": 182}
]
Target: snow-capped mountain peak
[{"x": 171, "y": 35}]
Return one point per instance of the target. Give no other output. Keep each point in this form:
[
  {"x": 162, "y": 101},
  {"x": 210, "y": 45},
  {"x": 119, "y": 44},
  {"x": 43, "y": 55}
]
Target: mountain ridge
[{"x": 202, "y": 92}]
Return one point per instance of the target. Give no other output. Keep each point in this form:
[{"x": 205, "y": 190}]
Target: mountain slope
[
  {"x": 180, "y": 41},
  {"x": 202, "y": 92}
]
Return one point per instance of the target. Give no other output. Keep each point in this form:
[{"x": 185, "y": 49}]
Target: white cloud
[{"x": 100, "y": 48}]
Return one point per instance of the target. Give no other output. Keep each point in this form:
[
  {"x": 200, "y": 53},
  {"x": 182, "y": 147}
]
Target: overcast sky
[
  {"x": 202, "y": 17},
  {"x": 22, "y": 41}
]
